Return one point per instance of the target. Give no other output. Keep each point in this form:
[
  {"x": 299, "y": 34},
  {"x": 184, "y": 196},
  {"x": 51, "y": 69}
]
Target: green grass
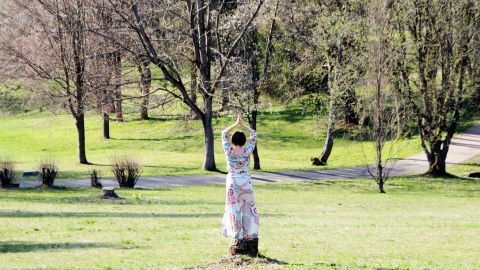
[
  {"x": 169, "y": 146},
  {"x": 421, "y": 223},
  {"x": 465, "y": 168}
]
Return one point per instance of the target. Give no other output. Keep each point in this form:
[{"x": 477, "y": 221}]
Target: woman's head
[{"x": 238, "y": 138}]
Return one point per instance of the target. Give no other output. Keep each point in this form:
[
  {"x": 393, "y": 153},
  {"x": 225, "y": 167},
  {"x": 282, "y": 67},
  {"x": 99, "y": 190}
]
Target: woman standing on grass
[{"x": 240, "y": 220}]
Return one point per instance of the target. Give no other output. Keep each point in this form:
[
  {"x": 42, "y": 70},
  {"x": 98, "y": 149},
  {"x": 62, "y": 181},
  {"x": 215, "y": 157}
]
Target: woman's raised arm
[
  {"x": 226, "y": 135},
  {"x": 252, "y": 140}
]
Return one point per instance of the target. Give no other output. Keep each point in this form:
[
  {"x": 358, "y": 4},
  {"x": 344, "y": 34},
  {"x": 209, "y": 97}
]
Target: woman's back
[{"x": 238, "y": 162}]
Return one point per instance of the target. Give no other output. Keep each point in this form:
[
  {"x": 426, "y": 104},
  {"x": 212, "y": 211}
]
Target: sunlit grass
[
  {"x": 170, "y": 146},
  {"x": 421, "y": 223}
]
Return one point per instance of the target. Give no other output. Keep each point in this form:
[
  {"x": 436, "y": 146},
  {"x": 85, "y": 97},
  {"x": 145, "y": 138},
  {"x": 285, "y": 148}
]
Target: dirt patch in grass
[{"x": 241, "y": 262}]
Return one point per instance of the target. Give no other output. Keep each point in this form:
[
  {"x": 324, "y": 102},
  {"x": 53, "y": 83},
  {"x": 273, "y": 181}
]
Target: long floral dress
[{"x": 240, "y": 220}]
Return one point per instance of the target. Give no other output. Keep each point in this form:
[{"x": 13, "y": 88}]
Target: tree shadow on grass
[
  {"x": 25, "y": 246},
  {"x": 34, "y": 214},
  {"x": 26, "y": 195},
  {"x": 340, "y": 266},
  {"x": 164, "y": 118},
  {"x": 145, "y": 166},
  {"x": 163, "y": 139},
  {"x": 449, "y": 177},
  {"x": 172, "y": 168}
]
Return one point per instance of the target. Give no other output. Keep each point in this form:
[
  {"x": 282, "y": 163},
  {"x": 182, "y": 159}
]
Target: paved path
[{"x": 464, "y": 146}]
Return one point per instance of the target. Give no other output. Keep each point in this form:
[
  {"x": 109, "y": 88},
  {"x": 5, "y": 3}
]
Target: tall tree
[
  {"x": 250, "y": 70},
  {"x": 168, "y": 46},
  {"x": 441, "y": 37},
  {"x": 332, "y": 44},
  {"x": 48, "y": 41},
  {"x": 145, "y": 85},
  {"x": 104, "y": 86},
  {"x": 257, "y": 77},
  {"x": 380, "y": 110},
  {"x": 474, "y": 69},
  {"x": 116, "y": 60}
]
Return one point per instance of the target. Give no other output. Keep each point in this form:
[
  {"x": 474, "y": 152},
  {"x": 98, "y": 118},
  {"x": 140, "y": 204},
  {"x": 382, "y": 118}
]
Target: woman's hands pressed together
[{"x": 238, "y": 122}]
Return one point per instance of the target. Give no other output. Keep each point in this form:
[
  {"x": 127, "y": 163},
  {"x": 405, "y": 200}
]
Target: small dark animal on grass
[
  {"x": 317, "y": 161},
  {"x": 474, "y": 175}
]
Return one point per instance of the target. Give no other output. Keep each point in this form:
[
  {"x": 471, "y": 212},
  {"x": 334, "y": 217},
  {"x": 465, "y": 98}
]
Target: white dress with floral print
[{"x": 240, "y": 220}]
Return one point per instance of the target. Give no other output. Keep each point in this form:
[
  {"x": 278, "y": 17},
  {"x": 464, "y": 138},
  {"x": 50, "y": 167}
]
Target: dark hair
[{"x": 238, "y": 138}]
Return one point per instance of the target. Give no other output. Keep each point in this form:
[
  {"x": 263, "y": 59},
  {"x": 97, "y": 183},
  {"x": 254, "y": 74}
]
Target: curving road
[{"x": 464, "y": 146}]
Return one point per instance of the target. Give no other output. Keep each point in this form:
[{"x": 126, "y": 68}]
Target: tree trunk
[
  {"x": 106, "y": 125},
  {"x": 79, "y": 63},
  {"x": 244, "y": 247},
  {"x": 80, "y": 124},
  {"x": 379, "y": 173},
  {"x": 399, "y": 121},
  {"x": 225, "y": 99},
  {"x": 106, "y": 110},
  {"x": 378, "y": 135},
  {"x": 380, "y": 187},
  {"x": 253, "y": 125},
  {"x": 476, "y": 87},
  {"x": 437, "y": 159},
  {"x": 117, "y": 75},
  {"x": 351, "y": 116},
  {"x": 204, "y": 62},
  {"x": 145, "y": 84},
  {"x": 193, "y": 88},
  {"x": 209, "y": 160},
  {"x": 112, "y": 106},
  {"x": 256, "y": 95},
  {"x": 437, "y": 167},
  {"x": 328, "y": 146},
  {"x": 332, "y": 111}
]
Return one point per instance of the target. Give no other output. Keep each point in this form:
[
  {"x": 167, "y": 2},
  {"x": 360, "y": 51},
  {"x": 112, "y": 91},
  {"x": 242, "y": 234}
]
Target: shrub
[
  {"x": 95, "y": 178},
  {"x": 7, "y": 173},
  {"x": 126, "y": 171},
  {"x": 314, "y": 104},
  {"x": 48, "y": 172}
]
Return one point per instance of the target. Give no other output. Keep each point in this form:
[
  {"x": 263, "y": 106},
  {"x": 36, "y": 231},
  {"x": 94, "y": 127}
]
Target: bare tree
[
  {"x": 441, "y": 37},
  {"x": 48, "y": 41},
  {"x": 339, "y": 45},
  {"x": 102, "y": 82},
  {"x": 101, "y": 89},
  {"x": 169, "y": 48},
  {"x": 258, "y": 80},
  {"x": 249, "y": 71},
  {"x": 380, "y": 112}
]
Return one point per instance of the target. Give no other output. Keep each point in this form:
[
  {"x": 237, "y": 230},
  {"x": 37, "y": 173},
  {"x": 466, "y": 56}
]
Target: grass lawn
[
  {"x": 421, "y": 223},
  {"x": 169, "y": 146}
]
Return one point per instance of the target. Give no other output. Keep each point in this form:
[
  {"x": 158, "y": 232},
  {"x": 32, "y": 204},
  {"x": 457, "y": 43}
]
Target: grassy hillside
[
  {"x": 169, "y": 145},
  {"x": 421, "y": 223}
]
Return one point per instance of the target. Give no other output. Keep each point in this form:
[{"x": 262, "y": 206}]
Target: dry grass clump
[
  {"x": 241, "y": 262},
  {"x": 7, "y": 173},
  {"x": 126, "y": 171},
  {"x": 48, "y": 171}
]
